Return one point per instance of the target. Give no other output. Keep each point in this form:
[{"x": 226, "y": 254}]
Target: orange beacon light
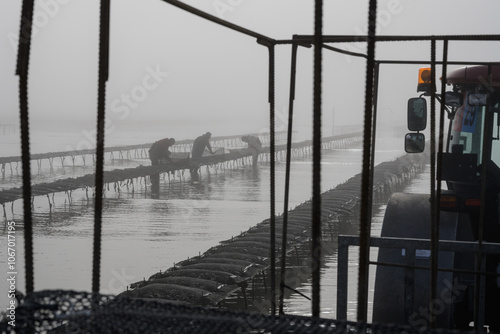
[{"x": 424, "y": 79}]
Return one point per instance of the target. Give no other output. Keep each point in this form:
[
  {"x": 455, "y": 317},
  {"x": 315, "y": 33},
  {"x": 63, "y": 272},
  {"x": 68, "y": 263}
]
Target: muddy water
[{"x": 143, "y": 235}]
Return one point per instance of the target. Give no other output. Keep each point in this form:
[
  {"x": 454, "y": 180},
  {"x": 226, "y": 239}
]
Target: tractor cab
[
  {"x": 468, "y": 213},
  {"x": 472, "y": 147},
  {"x": 475, "y": 125}
]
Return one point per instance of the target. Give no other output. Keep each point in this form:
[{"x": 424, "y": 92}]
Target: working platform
[{"x": 181, "y": 161}]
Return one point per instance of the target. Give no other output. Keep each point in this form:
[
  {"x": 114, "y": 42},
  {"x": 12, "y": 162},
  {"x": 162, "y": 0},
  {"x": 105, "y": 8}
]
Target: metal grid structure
[
  {"x": 85, "y": 310},
  {"x": 44, "y": 311}
]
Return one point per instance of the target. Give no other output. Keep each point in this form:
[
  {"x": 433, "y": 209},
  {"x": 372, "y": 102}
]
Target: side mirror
[
  {"x": 476, "y": 99},
  {"x": 414, "y": 142},
  {"x": 417, "y": 114},
  {"x": 453, "y": 99}
]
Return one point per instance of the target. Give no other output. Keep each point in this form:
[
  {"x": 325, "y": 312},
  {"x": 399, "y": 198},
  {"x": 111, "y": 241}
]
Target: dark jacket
[
  {"x": 254, "y": 142},
  {"x": 159, "y": 150},
  {"x": 199, "y": 146}
]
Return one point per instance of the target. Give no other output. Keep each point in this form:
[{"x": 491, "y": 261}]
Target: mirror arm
[
  {"x": 449, "y": 110},
  {"x": 498, "y": 127},
  {"x": 451, "y": 113}
]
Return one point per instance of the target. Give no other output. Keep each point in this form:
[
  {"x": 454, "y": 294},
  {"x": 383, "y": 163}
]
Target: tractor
[{"x": 465, "y": 217}]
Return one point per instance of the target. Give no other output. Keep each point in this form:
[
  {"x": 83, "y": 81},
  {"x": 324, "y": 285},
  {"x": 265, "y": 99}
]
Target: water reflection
[{"x": 143, "y": 234}]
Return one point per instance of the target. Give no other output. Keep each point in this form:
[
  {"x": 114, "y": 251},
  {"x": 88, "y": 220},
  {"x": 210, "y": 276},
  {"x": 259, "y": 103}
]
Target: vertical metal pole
[
  {"x": 342, "y": 279},
  {"x": 23, "y": 56},
  {"x": 434, "y": 199},
  {"x": 316, "y": 191},
  {"x": 272, "y": 180},
  {"x": 365, "y": 219},
  {"x": 479, "y": 287},
  {"x": 442, "y": 112},
  {"x": 99, "y": 175},
  {"x": 435, "y": 211},
  {"x": 287, "y": 176},
  {"x": 376, "y": 73},
  {"x": 443, "y": 91}
]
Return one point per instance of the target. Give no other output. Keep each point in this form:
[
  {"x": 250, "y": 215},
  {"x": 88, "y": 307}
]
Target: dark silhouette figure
[
  {"x": 255, "y": 145},
  {"x": 199, "y": 146},
  {"x": 159, "y": 151}
]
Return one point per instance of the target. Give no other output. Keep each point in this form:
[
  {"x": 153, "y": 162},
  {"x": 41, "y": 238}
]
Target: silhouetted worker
[
  {"x": 255, "y": 145},
  {"x": 159, "y": 151},
  {"x": 200, "y": 144}
]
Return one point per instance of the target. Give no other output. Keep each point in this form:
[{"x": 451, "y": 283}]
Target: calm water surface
[
  {"x": 143, "y": 235},
  {"x": 299, "y": 306}
]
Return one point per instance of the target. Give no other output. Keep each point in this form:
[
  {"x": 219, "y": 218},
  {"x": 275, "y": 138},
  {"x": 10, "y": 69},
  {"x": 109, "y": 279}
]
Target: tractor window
[
  {"x": 495, "y": 144},
  {"x": 467, "y": 130}
]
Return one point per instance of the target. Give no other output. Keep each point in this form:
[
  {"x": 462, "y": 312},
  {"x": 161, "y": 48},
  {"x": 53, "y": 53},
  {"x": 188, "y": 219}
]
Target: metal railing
[{"x": 410, "y": 248}]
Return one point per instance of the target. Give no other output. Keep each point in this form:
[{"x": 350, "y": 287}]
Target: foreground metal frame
[
  {"x": 410, "y": 246},
  {"x": 318, "y": 41}
]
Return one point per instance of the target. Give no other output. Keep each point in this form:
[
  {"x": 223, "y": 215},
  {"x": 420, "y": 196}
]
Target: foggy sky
[{"x": 168, "y": 66}]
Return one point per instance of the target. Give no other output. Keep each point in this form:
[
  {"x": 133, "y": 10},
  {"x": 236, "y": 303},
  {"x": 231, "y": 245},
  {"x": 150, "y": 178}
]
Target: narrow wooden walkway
[
  {"x": 124, "y": 151},
  {"x": 181, "y": 162},
  {"x": 212, "y": 277}
]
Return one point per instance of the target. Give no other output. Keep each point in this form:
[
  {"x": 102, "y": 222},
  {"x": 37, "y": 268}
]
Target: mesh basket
[{"x": 58, "y": 311}]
